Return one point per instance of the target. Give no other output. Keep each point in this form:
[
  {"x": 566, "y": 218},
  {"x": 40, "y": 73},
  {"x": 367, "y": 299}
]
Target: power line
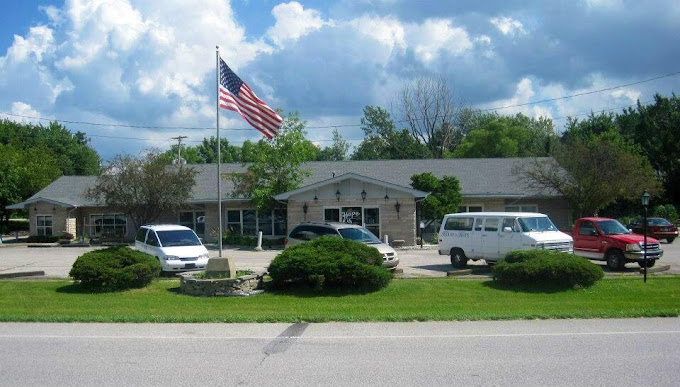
[{"x": 337, "y": 125}]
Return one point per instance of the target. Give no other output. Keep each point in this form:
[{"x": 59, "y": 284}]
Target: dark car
[{"x": 657, "y": 228}]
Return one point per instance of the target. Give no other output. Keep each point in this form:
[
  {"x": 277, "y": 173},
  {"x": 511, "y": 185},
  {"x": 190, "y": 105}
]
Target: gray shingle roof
[{"x": 478, "y": 177}]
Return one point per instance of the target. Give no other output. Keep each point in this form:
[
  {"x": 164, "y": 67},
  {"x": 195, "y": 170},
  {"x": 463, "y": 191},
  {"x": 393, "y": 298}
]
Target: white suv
[{"x": 177, "y": 248}]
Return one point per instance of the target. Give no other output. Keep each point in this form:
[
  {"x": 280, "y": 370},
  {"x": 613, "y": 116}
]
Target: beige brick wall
[{"x": 58, "y": 213}]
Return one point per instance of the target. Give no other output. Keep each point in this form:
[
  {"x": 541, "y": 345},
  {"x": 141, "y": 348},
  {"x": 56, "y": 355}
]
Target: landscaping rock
[{"x": 247, "y": 285}]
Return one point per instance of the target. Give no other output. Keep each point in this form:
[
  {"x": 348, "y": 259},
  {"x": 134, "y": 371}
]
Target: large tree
[
  {"x": 383, "y": 141},
  {"x": 592, "y": 171},
  {"x": 444, "y": 198},
  {"x": 337, "y": 151},
  {"x": 143, "y": 188},
  {"x": 431, "y": 113},
  {"x": 276, "y": 164}
]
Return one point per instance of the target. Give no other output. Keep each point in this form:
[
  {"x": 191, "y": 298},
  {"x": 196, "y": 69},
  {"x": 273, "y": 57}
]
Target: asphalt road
[
  {"x": 528, "y": 353},
  {"x": 57, "y": 261}
]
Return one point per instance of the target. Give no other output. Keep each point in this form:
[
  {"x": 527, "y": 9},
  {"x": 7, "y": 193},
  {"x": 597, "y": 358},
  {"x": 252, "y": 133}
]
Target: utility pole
[{"x": 179, "y": 148}]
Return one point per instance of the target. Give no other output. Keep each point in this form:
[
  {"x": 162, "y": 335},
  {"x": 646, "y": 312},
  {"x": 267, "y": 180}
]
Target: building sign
[{"x": 351, "y": 215}]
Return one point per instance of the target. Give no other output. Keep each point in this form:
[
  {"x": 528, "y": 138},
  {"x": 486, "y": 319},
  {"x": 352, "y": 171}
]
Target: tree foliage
[
  {"x": 383, "y": 142},
  {"x": 337, "y": 151},
  {"x": 276, "y": 163},
  {"x": 592, "y": 171},
  {"x": 444, "y": 198},
  {"x": 143, "y": 188}
]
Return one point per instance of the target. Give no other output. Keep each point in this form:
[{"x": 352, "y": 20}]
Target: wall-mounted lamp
[
  {"x": 363, "y": 195},
  {"x": 397, "y": 206},
  {"x": 337, "y": 194},
  {"x": 305, "y": 208},
  {"x": 386, "y": 197},
  {"x": 35, "y": 209},
  {"x": 316, "y": 198}
]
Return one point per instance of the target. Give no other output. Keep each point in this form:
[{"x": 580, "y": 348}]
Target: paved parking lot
[{"x": 57, "y": 261}]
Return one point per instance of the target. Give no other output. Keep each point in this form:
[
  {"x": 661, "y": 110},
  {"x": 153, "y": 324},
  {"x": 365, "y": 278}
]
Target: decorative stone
[
  {"x": 243, "y": 286},
  {"x": 220, "y": 267}
]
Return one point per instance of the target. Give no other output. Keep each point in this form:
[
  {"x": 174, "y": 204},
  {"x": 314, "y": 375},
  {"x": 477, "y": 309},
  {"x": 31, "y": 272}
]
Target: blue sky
[{"x": 121, "y": 64}]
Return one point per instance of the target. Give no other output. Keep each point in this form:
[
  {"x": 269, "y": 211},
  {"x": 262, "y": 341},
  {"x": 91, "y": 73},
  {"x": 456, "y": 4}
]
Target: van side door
[
  {"x": 509, "y": 237},
  {"x": 140, "y": 238},
  {"x": 489, "y": 239},
  {"x": 153, "y": 245}
]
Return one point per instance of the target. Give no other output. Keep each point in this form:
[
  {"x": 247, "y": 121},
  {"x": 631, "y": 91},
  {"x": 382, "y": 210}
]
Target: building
[{"x": 376, "y": 194}]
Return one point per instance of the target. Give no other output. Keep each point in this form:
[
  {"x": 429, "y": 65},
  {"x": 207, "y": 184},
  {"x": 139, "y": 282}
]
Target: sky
[{"x": 132, "y": 74}]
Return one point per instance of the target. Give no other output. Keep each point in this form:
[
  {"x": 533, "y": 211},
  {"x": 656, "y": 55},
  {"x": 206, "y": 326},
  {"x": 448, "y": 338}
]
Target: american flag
[{"x": 236, "y": 95}]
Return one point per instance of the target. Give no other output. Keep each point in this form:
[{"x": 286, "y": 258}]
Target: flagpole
[{"x": 219, "y": 155}]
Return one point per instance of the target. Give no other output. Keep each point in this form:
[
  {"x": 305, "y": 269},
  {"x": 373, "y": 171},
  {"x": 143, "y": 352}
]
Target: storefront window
[
  {"x": 43, "y": 225},
  {"x": 195, "y": 220},
  {"x": 372, "y": 220},
  {"x": 234, "y": 221},
  {"x": 249, "y": 222},
  {"x": 108, "y": 225}
]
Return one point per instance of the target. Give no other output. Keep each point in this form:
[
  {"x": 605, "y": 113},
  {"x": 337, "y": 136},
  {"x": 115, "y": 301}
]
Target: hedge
[
  {"x": 546, "y": 268},
  {"x": 330, "y": 263},
  {"x": 115, "y": 268}
]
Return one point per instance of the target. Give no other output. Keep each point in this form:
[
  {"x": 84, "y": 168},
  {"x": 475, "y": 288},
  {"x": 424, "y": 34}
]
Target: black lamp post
[{"x": 645, "y": 203}]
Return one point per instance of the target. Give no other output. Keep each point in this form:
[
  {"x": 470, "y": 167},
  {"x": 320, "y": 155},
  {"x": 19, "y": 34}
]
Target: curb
[
  {"x": 22, "y": 274},
  {"x": 656, "y": 269}
]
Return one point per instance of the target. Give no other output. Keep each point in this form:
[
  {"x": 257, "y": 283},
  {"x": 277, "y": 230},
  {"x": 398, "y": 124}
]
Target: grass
[{"x": 403, "y": 300}]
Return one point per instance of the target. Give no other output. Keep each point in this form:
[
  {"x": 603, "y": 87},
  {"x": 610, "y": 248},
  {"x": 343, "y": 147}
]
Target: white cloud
[
  {"x": 434, "y": 36},
  {"x": 38, "y": 42},
  {"x": 293, "y": 22},
  {"x": 386, "y": 30},
  {"x": 23, "y": 112},
  {"x": 508, "y": 26}
]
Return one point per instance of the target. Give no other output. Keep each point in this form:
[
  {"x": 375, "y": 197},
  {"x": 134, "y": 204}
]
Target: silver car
[{"x": 310, "y": 230}]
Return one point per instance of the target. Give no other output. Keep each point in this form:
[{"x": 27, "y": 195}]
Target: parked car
[
  {"x": 491, "y": 235},
  {"x": 310, "y": 230},
  {"x": 177, "y": 248},
  {"x": 608, "y": 240},
  {"x": 658, "y": 228}
]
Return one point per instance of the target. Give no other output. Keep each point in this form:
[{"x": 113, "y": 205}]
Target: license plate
[{"x": 190, "y": 266}]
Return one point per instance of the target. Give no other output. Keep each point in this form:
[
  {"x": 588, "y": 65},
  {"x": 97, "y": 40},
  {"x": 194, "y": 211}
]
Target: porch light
[
  {"x": 386, "y": 197},
  {"x": 397, "y": 206},
  {"x": 337, "y": 194},
  {"x": 363, "y": 195},
  {"x": 305, "y": 207},
  {"x": 316, "y": 198}
]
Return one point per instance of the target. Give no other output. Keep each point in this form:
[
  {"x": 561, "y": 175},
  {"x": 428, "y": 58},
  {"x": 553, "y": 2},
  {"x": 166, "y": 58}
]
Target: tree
[
  {"x": 276, "y": 165},
  {"x": 656, "y": 129},
  {"x": 591, "y": 172},
  {"x": 24, "y": 172},
  {"x": 228, "y": 153},
  {"x": 382, "y": 141},
  {"x": 143, "y": 188},
  {"x": 189, "y": 154},
  {"x": 337, "y": 151},
  {"x": 430, "y": 111},
  {"x": 444, "y": 198}
]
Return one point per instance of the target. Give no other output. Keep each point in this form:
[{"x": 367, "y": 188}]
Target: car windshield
[
  {"x": 538, "y": 223},
  {"x": 178, "y": 238},
  {"x": 359, "y": 235},
  {"x": 612, "y": 227},
  {"x": 658, "y": 222}
]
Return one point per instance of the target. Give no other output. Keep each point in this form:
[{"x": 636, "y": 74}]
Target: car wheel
[
  {"x": 615, "y": 260},
  {"x": 458, "y": 259},
  {"x": 670, "y": 240},
  {"x": 650, "y": 263}
]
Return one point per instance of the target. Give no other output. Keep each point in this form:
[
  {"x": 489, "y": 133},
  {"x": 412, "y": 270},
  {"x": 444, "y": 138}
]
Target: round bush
[
  {"x": 546, "y": 268},
  {"x": 115, "y": 268},
  {"x": 329, "y": 263}
]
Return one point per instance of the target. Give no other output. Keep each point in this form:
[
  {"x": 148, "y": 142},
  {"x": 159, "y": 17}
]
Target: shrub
[
  {"x": 66, "y": 236},
  {"x": 42, "y": 239},
  {"x": 115, "y": 268},
  {"x": 329, "y": 263},
  {"x": 236, "y": 239},
  {"x": 546, "y": 268},
  {"x": 667, "y": 211}
]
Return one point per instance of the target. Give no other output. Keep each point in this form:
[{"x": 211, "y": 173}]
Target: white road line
[{"x": 378, "y": 337}]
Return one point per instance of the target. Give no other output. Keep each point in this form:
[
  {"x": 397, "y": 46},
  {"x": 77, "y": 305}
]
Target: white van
[
  {"x": 177, "y": 248},
  {"x": 491, "y": 235}
]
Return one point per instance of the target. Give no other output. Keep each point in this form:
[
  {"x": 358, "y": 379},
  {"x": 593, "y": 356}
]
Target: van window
[
  {"x": 141, "y": 234},
  {"x": 478, "y": 224},
  {"x": 491, "y": 224},
  {"x": 510, "y": 222},
  {"x": 152, "y": 239},
  {"x": 459, "y": 224}
]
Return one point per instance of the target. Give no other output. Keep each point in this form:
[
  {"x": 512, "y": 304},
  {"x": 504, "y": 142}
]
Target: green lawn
[{"x": 402, "y": 300}]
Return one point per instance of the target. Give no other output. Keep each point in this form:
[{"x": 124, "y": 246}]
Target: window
[
  {"x": 478, "y": 224},
  {"x": 307, "y": 233},
  {"x": 459, "y": 224},
  {"x": 471, "y": 208},
  {"x": 195, "y": 220},
  {"x": 331, "y": 214},
  {"x": 587, "y": 228},
  {"x": 491, "y": 224},
  {"x": 512, "y": 223},
  {"x": 152, "y": 239},
  {"x": 372, "y": 220},
  {"x": 141, "y": 235},
  {"x": 108, "y": 225},
  {"x": 522, "y": 208},
  {"x": 249, "y": 222},
  {"x": 351, "y": 215},
  {"x": 43, "y": 225}
]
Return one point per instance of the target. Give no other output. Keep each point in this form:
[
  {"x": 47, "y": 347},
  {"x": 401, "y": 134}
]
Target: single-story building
[{"x": 376, "y": 194}]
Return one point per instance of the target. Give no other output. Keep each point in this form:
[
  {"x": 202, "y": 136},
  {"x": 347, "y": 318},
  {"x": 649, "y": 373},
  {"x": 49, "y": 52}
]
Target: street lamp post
[{"x": 645, "y": 204}]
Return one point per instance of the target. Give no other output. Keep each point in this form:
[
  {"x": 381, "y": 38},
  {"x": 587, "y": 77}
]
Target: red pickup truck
[{"x": 608, "y": 240}]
